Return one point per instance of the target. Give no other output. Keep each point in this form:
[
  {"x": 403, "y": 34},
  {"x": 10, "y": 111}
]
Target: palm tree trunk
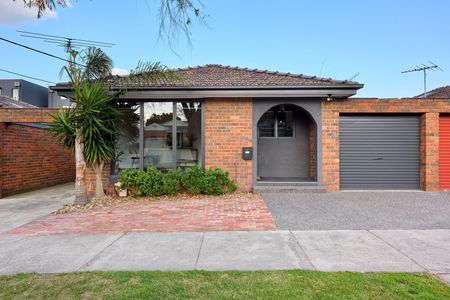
[
  {"x": 81, "y": 197},
  {"x": 98, "y": 169}
]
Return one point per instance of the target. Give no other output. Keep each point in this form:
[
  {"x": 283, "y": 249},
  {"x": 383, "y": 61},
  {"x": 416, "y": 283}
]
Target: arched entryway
[{"x": 286, "y": 143}]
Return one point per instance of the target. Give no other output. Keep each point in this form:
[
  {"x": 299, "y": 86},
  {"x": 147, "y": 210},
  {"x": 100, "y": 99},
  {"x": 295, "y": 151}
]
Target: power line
[
  {"x": 26, "y": 76},
  {"x": 39, "y": 51},
  {"x": 66, "y": 42}
]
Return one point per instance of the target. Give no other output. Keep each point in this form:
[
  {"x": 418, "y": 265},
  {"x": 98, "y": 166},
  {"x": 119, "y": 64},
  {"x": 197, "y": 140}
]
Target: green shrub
[
  {"x": 143, "y": 183},
  {"x": 216, "y": 182},
  {"x": 192, "y": 180},
  {"x": 133, "y": 180},
  {"x": 171, "y": 182},
  {"x": 152, "y": 182},
  {"x": 211, "y": 182}
]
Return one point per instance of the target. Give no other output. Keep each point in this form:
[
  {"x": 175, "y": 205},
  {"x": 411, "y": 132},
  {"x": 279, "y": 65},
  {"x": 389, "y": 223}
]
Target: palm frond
[
  {"x": 97, "y": 63},
  {"x": 153, "y": 71},
  {"x": 63, "y": 128},
  {"x": 98, "y": 120}
]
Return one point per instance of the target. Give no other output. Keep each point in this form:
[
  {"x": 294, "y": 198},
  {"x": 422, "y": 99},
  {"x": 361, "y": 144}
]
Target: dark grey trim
[
  {"x": 174, "y": 135},
  {"x": 249, "y": 87},
  {"x": 203, "y": 134},
  {"x": 197, "y": 93},
  {"x": 141, "y": 135},
  {"x": 32, "y": 125},
  {"x": 310, "y": 105}
]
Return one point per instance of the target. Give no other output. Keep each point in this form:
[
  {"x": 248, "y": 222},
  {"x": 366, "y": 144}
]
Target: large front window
[
  {"x": 169, "y": 136},
  {"x": 158, "y": 124}
]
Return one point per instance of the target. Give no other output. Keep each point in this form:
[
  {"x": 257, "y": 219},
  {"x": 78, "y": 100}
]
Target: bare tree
[
  {"x": 176, "y": 16},
  {"x": 44, "y": 5}
]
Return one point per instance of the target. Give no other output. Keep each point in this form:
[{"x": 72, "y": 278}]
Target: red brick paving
[{"x": 243, "y": 212}]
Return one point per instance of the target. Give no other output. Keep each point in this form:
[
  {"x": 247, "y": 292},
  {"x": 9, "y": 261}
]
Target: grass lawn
[{"x": 223, "y": 285}]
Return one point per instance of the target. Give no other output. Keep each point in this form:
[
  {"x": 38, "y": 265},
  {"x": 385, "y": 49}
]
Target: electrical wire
[
  {"x": 26, "y": 76},
  {"x": 39, "y": 51}
]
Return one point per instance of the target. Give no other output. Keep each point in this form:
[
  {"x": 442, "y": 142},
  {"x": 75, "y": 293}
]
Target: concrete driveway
[
  {"x": 20, "y": 209},
  {"x": 358, "y": 210}
]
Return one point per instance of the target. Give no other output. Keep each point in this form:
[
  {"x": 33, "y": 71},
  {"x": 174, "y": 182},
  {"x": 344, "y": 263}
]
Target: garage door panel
[
  {"x": 444, "y": 152},
  {"x": 379, "y": 152}
]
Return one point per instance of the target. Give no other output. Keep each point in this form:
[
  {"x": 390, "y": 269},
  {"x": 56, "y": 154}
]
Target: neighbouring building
[
  {"x": 30, "y": 158},
  {"x": 34, "y": 94},
  {"x": 22, "y": 90},
  {"x": 438, "y": 93},
  {"x": 56, "y": 101},
  {"x": 276, "y": 130}
]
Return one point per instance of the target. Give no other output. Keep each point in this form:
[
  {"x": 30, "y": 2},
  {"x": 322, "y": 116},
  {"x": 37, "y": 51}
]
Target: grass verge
[{"x": 223, "y": 285}]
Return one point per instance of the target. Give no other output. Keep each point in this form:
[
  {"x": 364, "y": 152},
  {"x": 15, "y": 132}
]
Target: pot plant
[{"x": 120, "y": 190}]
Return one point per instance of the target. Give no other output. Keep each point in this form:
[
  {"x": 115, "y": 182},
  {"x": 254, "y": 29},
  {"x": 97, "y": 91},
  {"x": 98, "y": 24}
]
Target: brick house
[
  {"x": 271, "y": 129},
  {"x": 29, "y": 156}
]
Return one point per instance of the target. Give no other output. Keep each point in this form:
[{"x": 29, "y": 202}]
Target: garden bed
[{"x": 110, "y": 201}]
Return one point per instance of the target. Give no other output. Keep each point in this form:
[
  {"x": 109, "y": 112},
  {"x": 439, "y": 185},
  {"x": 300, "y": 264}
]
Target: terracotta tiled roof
[
  {"x": 442, "y": 92},
  {"x": 6, "y": 102},
  {"x": 219, "y": 76}
]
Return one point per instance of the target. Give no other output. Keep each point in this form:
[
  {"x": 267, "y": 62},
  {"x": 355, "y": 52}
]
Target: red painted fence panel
[{"x": 444, "y": 152}]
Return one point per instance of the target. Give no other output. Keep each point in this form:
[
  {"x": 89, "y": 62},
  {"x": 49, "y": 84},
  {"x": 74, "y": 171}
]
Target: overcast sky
[{"x": 338, "y": 39}]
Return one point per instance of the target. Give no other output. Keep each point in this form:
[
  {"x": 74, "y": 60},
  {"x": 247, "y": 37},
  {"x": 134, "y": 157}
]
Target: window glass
[
  {"x": 127, "y": 155},
  {"x": 158, "y": 135},
  {"x": 189, "y": 141},
  {"x": 266, "y": 125},
  {"x": 285, "y": 124},
  {"x": 157, "y": 138}
]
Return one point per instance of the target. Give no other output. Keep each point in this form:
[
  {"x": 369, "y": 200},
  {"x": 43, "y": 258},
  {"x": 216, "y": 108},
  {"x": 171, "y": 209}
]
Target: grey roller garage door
[{"x": 379, "y": 152}]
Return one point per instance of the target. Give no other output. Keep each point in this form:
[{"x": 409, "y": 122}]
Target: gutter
[{"x": 158, "y": 93}]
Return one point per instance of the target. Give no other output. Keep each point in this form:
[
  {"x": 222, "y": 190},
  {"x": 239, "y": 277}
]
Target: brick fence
[
  {"x": 30, "y": 115},
  {"x": 429, "y": 110},
  {"x": 29, "y": 156}
]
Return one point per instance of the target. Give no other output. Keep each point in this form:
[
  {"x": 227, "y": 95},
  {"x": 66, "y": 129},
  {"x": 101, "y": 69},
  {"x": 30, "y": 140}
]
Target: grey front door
[
  {"x": 379, "y": 152},
  {"x": 283, "y": 144}
]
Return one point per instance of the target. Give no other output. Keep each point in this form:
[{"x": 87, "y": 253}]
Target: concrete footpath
[{"x": 341, "y": 250}]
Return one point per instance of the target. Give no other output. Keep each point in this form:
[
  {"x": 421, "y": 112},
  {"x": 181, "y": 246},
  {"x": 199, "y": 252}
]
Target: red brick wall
[
  {"x": 429, "y": 108},
  {"x": 2, "y": 146},
  {"x": 228, "y": 128},
  {"x": 31, "y": 115},
  {"x": 429, "y": 144},
  {"x": 31, "y": 159},
  {"x": 90, "y": 180}
]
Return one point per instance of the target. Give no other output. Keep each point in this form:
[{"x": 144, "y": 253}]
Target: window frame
[
  {"x": 200, "y": 156},
  {"x": 275, "y": 120}
]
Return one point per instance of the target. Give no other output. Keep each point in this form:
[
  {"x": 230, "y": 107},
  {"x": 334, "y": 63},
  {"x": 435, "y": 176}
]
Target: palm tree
[
  {"x": 87, "y": 66},
  {"x": 95, "y": 119}
]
